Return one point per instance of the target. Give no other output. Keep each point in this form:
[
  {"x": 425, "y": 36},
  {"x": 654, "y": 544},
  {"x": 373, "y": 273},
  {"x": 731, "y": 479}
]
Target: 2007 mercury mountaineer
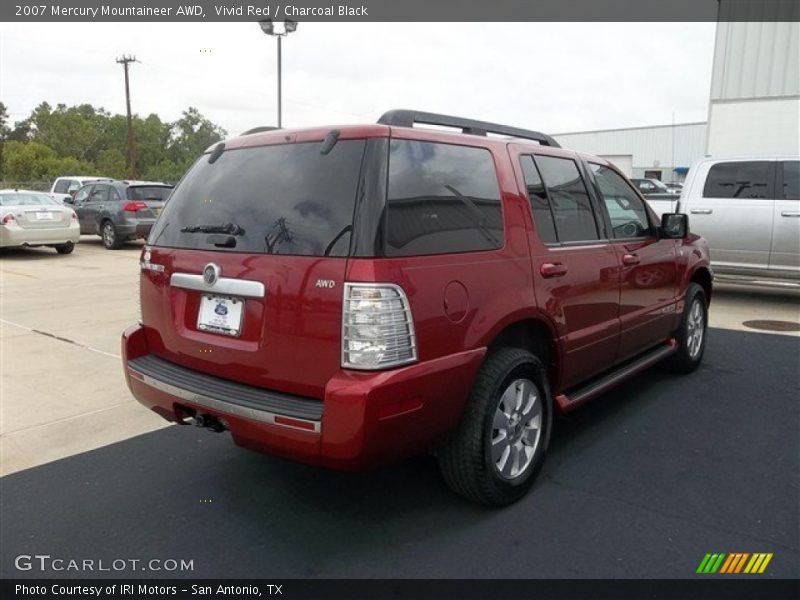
[{"x": 350, "y": 296}]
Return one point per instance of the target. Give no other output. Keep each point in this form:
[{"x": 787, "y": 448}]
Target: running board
[{"x": 595, "y": 387}]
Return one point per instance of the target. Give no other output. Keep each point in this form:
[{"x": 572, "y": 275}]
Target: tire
[
  {"x": 467, "y": 461},
  {"x": 111, "y": 238},
  {"x": 66, "y": 248},
  {"x": 694, "y": 322}
]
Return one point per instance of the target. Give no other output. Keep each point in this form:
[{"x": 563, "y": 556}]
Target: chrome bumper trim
[{"x": 262, "y": 416}]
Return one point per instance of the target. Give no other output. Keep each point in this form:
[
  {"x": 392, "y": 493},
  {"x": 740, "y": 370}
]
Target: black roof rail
[
  {"x": 260, "y": 129},
  {"x": 407, "y": 118}
]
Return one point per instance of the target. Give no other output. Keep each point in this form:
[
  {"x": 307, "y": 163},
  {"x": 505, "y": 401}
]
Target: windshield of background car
[
  {"x": 150, "y": 192},
  {"x": 27, "y": 199},
  {"x": 287, "y": 199}
]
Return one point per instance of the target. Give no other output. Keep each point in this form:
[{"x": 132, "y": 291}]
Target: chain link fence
[{"x": 39, "y": 186}]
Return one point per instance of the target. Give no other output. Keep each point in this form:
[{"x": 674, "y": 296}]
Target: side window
[
  {"x": 114, "y": 195},
  {"x": 742, "y": 179},
  {"x": 791, "y": 180},
  {"x": 62, "y": 186},
  {"x": 441, "y": 198},
  {"x": 83, "y": 194},
  {"x": 74, "y": 186},
  {"x": 540, "y": 205},
  {"x": 569, "y": 200},
  {"x": 99, "y": 194},
  {"x": 626, "y": 210}
]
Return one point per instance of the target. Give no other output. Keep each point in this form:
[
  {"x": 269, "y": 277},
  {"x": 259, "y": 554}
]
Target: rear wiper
[{"x": 229, "y": 228}]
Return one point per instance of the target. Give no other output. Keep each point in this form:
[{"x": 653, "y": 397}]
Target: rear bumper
[
  {"x": 365, "y": 418},
  {"x": 132, "y": 227},
  {"x": 13, "y": 235}
]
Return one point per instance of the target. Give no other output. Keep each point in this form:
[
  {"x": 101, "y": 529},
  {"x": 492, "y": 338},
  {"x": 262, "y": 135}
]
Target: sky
[{"x": 554, "y": 77}]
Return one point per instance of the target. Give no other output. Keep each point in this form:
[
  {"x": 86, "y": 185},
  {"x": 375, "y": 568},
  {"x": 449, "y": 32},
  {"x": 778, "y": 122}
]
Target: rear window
[
  {"x": 26, "y": 199},
  {"x": 743, "y": 179},
  {"x": 441, "y": 199},
  {"x": 287, "y": 199},
  {"x": 138, "y": 192}
]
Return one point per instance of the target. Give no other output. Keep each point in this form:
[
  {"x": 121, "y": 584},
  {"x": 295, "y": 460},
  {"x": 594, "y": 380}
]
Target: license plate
[
  {"x": 44, "y": 216},
  {"x": 220, "y": 314}
]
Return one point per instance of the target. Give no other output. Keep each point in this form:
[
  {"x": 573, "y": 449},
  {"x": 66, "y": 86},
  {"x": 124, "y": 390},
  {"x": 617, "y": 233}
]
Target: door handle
[
  {"x": 549, "y": 270},
  {"x": 790, "y": 213},
  {"x": 701, "y": 211},
  {"x": 630, "y": 260}
]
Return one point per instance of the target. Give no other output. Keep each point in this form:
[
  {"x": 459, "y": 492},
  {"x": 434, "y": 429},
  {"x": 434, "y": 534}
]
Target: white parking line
[{"x": 59, "y": 338}]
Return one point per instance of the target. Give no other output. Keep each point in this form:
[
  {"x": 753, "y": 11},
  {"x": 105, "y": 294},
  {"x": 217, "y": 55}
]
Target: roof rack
[
  {"x": 407, "y": 118},
  {"x": 260, "y": 129}
]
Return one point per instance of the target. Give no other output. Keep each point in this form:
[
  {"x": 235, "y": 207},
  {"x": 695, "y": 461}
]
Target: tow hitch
[{"x": 206, "y": 421}]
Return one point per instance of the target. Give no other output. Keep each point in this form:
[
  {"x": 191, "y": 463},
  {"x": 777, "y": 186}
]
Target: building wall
[
  {"x": 755, "y": 85},
  {"x": 649, "y": 148}
]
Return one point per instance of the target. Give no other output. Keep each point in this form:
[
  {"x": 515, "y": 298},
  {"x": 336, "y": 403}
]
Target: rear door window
[
  {"x": 740, "y": 179},
  {"x": 99, "y": 194},
  {"x": 540, "y": 204},
  {"x": 569, "y": 199},
  {"x": 791, "y": 180},
  {"x": 285, "y": 199}
]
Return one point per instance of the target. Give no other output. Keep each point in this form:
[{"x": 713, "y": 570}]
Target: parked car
[
  {"x": 348, "y": 296},
  {"x": 658, "y": 195},
  {"x": 749, "y": 210},
  {"x": 119, "y": 210},
  {"x": 673, "y": 186},
  {"x": 65, "y": 187},
  {"x": 33, "y": 219}
]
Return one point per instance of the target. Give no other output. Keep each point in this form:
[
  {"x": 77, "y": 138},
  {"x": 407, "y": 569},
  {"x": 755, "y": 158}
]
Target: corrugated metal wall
[
  {"x": 649, "y": 147},
  {"x": 760, "y": 58}
]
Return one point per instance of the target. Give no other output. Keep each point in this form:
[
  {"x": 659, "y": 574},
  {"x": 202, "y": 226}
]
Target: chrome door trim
[{"x": 224, "y": 286}]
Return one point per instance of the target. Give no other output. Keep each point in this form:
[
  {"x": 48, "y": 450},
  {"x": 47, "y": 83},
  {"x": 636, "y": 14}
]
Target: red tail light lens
[
  {"x": 73, "y": 216},
  {"x": 8, "y": 218},
  {"x": 134, "y": 206}
]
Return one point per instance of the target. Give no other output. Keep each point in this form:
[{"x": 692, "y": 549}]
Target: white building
[
  {"x": 663, "y": 152},
  {"x": 755, "y": 83},
  {"x": 754, "y": 105}
]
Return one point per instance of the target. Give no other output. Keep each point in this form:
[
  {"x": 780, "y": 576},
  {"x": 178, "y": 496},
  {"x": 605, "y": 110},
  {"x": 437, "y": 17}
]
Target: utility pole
[
  {"x": 268, "y": 27},
  {"x": 124, "y": 61}
]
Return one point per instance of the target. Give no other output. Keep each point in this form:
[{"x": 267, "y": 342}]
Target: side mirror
[
  {"x": 69, "y": 200},
  {"x": 674, "y": 226}
]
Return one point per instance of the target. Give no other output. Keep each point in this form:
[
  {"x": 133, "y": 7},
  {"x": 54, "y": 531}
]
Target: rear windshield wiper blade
[{"x": 229, "y": 228}]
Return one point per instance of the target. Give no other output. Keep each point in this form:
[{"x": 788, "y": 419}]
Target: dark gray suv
[{"x": 119, "y": 210}]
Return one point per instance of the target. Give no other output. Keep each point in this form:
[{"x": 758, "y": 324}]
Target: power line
[{"x": 125, "y": 61}]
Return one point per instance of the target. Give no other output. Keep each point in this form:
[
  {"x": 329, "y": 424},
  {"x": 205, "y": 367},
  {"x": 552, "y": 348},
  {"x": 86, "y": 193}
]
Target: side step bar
[{"x": 595, "y": 387}]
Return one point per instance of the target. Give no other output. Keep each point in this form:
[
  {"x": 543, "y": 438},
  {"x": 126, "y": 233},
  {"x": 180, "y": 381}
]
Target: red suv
[{"x": 349, "y": 296}]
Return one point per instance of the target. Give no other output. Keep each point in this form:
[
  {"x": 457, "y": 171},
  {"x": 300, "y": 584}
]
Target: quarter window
[
  {"x": 569, "y": 200},
  {"x": 441, "y": 199},
  {"x": 740, "y": 179},
  {"x": 625, "y": 208}
]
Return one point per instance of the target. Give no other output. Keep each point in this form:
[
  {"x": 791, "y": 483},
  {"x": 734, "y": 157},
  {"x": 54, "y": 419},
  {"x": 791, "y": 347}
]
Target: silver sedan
[{"x": 35, "y": 219}]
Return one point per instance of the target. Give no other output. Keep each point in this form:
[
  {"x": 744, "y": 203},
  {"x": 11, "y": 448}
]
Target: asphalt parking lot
[{"x": 641, "y": 483}]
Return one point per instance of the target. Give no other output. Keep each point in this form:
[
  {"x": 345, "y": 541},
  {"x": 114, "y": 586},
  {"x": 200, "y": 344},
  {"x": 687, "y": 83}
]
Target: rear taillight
[
  {"x": 377, "y": 327},
  {"x": 134, "y": 206},
  {"x": 73, "y": 216},
  {"x": 7, "y": 219}
]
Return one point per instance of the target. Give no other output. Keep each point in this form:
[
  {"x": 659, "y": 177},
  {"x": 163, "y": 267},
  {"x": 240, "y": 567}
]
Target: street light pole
[
  {"x": 268, "y": 27},
  {"x": 280, "y": 123}
]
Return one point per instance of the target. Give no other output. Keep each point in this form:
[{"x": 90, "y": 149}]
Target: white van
[{"x": 748, "y": 208}]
